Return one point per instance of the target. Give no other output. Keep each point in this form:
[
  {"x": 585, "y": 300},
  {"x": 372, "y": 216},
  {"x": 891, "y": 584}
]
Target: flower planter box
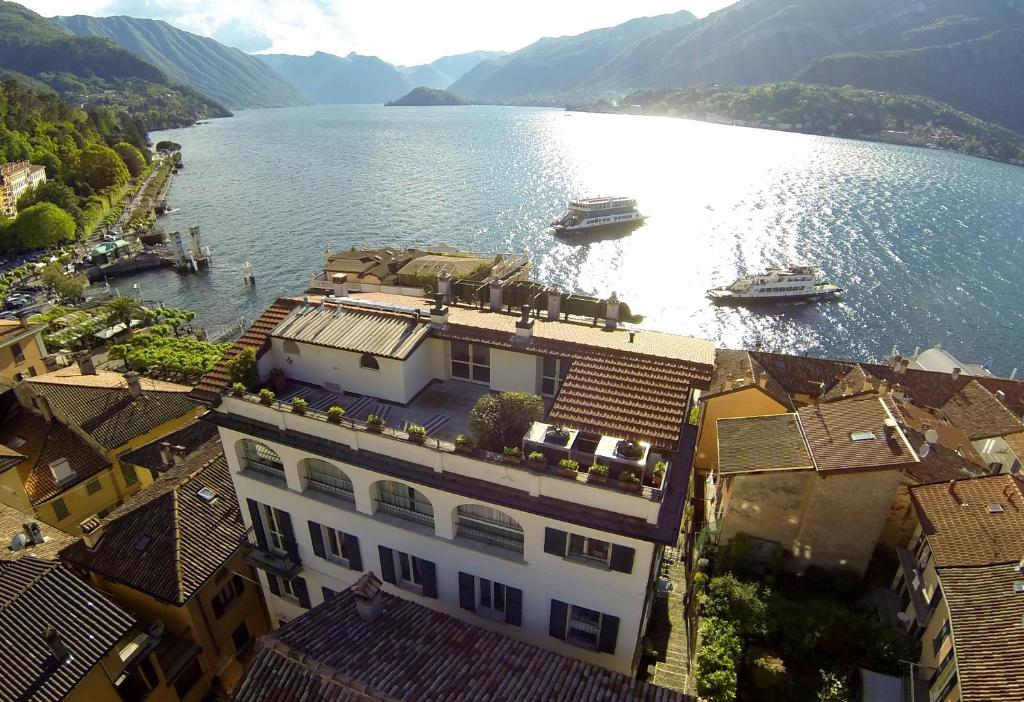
[
  {"x": 597, "y": 479},
  {"x": 268, "y": 401},
  {"x": 656, "y": 481},
  {"x": 334, "y": 419},
  {"x": 629, "y": 486},
  {"x": 375, "y": 428},
  {"x": 513, "y": 460},
  {"x": 539, "y": 466},
  {"x": 416, "y": 438},
  {"x": 567, "y": 473},
  {"x": 463, "y": 449}
]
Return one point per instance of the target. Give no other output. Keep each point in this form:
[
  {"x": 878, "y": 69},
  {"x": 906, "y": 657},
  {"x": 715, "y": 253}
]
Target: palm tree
[{"x": 122, "y": 310}]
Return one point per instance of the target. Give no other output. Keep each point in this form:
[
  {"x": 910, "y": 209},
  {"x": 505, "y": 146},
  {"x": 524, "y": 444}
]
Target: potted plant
[
  {"x": 299, "y": 405},
  {"x": 567, "y": 468},
  {"x": 658, "y": 475},
  {"x": 238, "y": 389},
  {"x": 513, "y": 455},
  {"x": 375, "y": 423},
  {"x": 417, "y": 434},
  {"x": 335, "y": 414},
  {"x": 538, "y": 461},
  {"x": 266, "y": 396},
  {"x": 629, "y": 481},
  {"x": 463, "y": 444},
  {"x": 598, "y": 473}
]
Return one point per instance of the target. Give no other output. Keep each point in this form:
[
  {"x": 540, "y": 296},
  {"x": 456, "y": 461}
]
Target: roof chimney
[
  {"x": 33, "y": 533},
  {"x": 339, "y": 285},
  {"x": 1001, "y": 396},
  {"x": 23, "y": 319},
  {"x": 496, "y": 296},
  {"x": 53, "y": 640},
  {"x": 92, "y": 532},
  {"x": 369, "y": 603},
  {"x": 611, "y": 316},
  {"x": 134, "y": 384},
  {"x": 86, "y": 366},
  {"x": 956, "y": 373},
  {"x": 952, "y": 493},
  {"x": 554, "y": 304},
  {"x": 178, "y": 453},
  {"x": 444, "y": 285},
  {"x": 165, "y": 453},
  {"x": 438, "y": 313},
  {"x": 524, "y": 327}
]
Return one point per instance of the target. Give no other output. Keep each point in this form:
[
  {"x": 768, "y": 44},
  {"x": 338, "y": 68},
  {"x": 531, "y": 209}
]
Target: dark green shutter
[
  {"x": 275, "y": 588},
  {"x": 257, "y": 522},
  {"x": 559, "y": 617},
  {"x": 622, "y": 559},
  {"x": 554, "y": 541},
  {"x": 387, "y": 565},
  {"x": 467, "y": 592},
  {"x": 290, "y": 544},
  {"x": 355, "y": 559},
  {"x": 429, "y": 572},
  {"x": 302, "y": 591},
  {"x": 316, "y": 535},
  {"x": 513, "y": 606},
  {"x": 609, "y": 634}
]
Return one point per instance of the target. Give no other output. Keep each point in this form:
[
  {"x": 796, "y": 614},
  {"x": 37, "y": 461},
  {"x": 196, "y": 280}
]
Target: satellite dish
[
  {"x": 931, "y": 436},
  {"x": 924, "y": 450}
]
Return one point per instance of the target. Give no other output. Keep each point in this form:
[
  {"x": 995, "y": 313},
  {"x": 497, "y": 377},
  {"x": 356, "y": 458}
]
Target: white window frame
[
  {"x": 273, "y": 530},
  {"x": 415, "y": 570},
  {"x": 471, "y": 363},
  {"x": 583, "y": 640},
  {"x": 583, "y": 554},
  {"x": 557, "y": 379},
  {"x": 287, "y": 588},
  {"x": 334, "y": 545}
]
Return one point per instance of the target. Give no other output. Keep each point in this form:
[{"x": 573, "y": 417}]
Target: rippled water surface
[{"x": 927, "y": 244}]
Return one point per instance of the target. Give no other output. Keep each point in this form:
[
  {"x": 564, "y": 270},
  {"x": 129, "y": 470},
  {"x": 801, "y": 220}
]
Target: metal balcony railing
[
  {"x": 271, "y": 560},
  {"x": 418, "y": 511},
  {"x": 490, "y": 533}
]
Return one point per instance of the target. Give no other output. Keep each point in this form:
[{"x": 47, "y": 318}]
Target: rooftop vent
[
  {"x": 862, "y": 436},
  {"x": 1018, "y": 587},
  {"x": 142, "y": 543},
  {"x": 557, "y": 436},
  {"x": 207, "y": 495},
  {"x": 995, "y": 508},
  {"x": 629, "y": 449}
]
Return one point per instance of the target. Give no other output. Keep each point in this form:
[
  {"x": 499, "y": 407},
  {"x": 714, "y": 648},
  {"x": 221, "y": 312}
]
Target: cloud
[{"x": 242, "y": 34}]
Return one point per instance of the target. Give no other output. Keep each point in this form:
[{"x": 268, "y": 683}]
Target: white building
[
  {"x": 559, "y": 562},
  {"x": 16, "y": 179}
]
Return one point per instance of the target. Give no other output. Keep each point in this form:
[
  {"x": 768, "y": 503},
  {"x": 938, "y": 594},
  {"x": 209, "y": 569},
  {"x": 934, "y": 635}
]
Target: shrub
[
  {"x": 335, "y": 413},
  {"x": 238, "y": 388},
  {"x": 834, "y": 688},
  {"x": 598, "y": 469},
  {"x": 768, "y": 675},
  {"x": 375, "y": 421},
  {"x": 464, "y": 441},
  {"x": 629, "y": 477},
  {"x": 719, "y": 656},
  {"x": 299, "y": 405},
  {"x": 513, "y": 452},
  {"x": 416, "y": 430},
  {"x": 734, "y": 601},
  {"x": 537, "y": 457},
  {"x": 267, "y": 396},
  {"x": 660, "y": 467},
  {"x": 568, "y": 464},
  {"x": 242, "y": 368},
  {"x": 502, "y": 419}
]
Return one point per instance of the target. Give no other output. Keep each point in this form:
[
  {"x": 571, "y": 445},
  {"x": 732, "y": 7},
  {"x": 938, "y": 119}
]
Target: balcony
[
  {"x": 271, "y": 469},
  {"x": 912, "y": 573},
  {"x": 268, "y": 559},
  {"x": 327, "y": 478},
  {"x": 412, "y": 509},
  {"x": 489, "y": 532}
]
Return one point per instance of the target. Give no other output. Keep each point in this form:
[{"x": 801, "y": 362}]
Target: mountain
[
  {"x": 427, "y": 97},
  {"x": 95, "y": 71},
  {"x": 427, "y": 75},
  {"x": 557, "y": 65},
  {"x": 330, "y": 79},
  {"x": 225, "y": 74},
  {"x": 449, "y": 69}
]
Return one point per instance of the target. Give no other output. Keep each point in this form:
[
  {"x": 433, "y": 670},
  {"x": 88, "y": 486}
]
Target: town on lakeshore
[{"x": 425, "y": 472}]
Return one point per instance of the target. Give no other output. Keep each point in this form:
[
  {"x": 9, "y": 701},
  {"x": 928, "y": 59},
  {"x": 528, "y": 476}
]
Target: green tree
[
  {"x": 502, "y": 419},
  {"x": 718, "y": 659},
  {"x": 122, "y": 310},
  {"x": 243, "y": 369},
  {"x": 833, "y": 688},
  {"x": 56, "y": 192},
  {"x": 68, "y": 287},
  {"x": 731, "y": 600},
  {"x": 132, "y": 158},
  {"x": 167, "y": 146},
  {"x": 40, "y": 226},
  {"x": 100, "y": 167}
]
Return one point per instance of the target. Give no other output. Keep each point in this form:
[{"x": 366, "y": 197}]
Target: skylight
[
  {"x": 206, "y": 494},
  {"x": 862, "y": 436},
  {"x": 995, "y": 508},
  {"x": 142, "y": 543}
]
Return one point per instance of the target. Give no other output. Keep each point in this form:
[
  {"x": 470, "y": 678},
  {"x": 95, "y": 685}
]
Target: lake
[{"x": 927, "y": 244}]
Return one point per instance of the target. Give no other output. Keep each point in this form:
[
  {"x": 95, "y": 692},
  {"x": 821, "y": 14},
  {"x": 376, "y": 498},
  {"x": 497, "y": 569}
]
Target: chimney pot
[
  {"x": 134, "y": 384},
  {"x": 367, "y": 592},
  {"x": 86, "y": 365},
  {"x": 339, "y": 285},
  {"x": 496, "y": 297},
  {"x": 956, "y": 373},
  {"x": 611, "y": 317},
  {"x": 33, "y": 532},
  {"x": 554, "y": 305},
  {"x": 53, "y": 640}
]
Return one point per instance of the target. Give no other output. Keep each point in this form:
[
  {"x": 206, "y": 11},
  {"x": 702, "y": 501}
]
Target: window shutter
[
  {"x": 328, "y": 593},
  {"x": 275, "y": 588},
  {"x": 429, "y": 571},
  {"x": 302, "y": 591},
  {"x": 609, "y": 633},
  {"x": 355, "y": 559},
  {"x": 290, "y": 544},
  {"x": 316, "y": 535},
  {"x": 387, "y": 565},
  {"x": 257, "y": 523},
  {"x": 218, "y": 607},
  {"x": 554, "y": 542},
  {"x": 622, "y": 559},
  {"x": 513, "y": 606},
  {"x": 467, "y": 592},
  {"x": 559, "y": 617}
]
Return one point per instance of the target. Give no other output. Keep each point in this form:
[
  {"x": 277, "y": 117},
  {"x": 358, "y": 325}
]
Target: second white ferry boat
[
  {"x": 591, "y": 215},
  {"x": 791, "y": 283}
]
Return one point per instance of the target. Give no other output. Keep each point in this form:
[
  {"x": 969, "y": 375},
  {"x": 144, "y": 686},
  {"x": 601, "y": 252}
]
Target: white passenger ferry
[
  {"x": 792, "y": 283},
  {"x": 592, "y": 214}
]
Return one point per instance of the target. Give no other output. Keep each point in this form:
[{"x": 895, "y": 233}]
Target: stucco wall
[
  {"x": 748, "y": 402},
  {"x": 514, "y": 372}
]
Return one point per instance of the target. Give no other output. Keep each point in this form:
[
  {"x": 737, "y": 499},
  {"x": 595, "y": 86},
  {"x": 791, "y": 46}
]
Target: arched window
[
  {"x": 326, "y": 477},
  {"x": 369, "y": 361},
  {"x": 262, "y": 459},
  {"x": 404, "y": 502},
  {"x": 489, "y": 526}
]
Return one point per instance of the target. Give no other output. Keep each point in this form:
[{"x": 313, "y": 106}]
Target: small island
[{"x": 427, "y": 97}]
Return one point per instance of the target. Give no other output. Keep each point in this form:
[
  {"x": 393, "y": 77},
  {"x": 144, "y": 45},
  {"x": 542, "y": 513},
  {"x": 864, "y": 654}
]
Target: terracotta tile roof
[
  {"x": 12, "y": 331},
  {"x": 412, "y": 653},
  {"x": 45, "y": 444},
  {"x": 167, "y": 541},
  {"x": 256, "y": 337},
  {"x": 12, "y": 522},
  {"x": 977, "y": 411},
  {"x": 637, "y": 398},
  {"x": 104, "y": 408},
  {"x": 803, "y": 375},
  {"x": 771, "y": 442},
  {"x": 986, "y": 616},
  {"x": 35, "y": 594},
  {"x": 856, "y": 382},
  {"x": 1016, "y": 444},
  {"x": 194, "y": 436},
  {"x": 830, "y": 426},
  {"x": 8, "y": 456},
  {"x": 960, "y": 528},
  {"x": 351, "y": 329},
  {"x": 729, "y": 365},
  {"x": 920, "y": 420}
]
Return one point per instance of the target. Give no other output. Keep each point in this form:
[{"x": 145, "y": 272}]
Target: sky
[{"x": 404, "y": 32}]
